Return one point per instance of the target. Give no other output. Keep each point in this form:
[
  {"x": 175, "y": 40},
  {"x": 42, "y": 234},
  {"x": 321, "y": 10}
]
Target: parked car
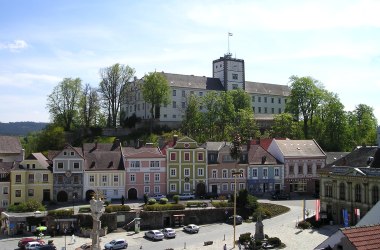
[
  {"x": 154, "y": 235},
  {"x": 46, "y": 247},
  {"x": 85, "y": 246},
  {"x": 186, "y": 196},
  {"x": 169, "y": 232},
  {"x": 238, "y": 220},
  {"x": 191, "y": 228},
  {"x": 158, "y": 196},
  {"x": 116, "y": 244},
  {"x": 32, "y": 245},
  {"x": 24, "y": 241},
  {"x": 281, "y": 196}
]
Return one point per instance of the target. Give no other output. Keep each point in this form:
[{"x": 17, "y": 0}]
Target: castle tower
[{"x": 230, "y": 71}]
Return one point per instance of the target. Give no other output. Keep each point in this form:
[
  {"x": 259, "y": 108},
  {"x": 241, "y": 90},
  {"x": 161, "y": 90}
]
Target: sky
[{"x": 43, "y": 41}]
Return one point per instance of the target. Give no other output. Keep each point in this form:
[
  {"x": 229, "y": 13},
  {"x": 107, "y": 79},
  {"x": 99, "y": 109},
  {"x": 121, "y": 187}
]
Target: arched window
[
  {"x": 342, "y": 191},
  {"x": 375, "y": 194},
  {"x": 358, "y": 193}
]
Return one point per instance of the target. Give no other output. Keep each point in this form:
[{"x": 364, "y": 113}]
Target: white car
[
  {"x": 32, "y": 245},
  {"x": 158, "y": 196},
  {"x": 116, "y": 244},
  {"x": 154, "y": 235},
  {"x": 191, "y": 228},
  {"x": 186, "y": 196},
  {"x": 169, "y": 232}
]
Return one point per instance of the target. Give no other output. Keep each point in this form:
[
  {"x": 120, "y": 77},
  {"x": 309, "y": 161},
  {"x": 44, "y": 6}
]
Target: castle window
[
  {"x": 174, "y": 92},
  {"x": 234, "y": 76}
]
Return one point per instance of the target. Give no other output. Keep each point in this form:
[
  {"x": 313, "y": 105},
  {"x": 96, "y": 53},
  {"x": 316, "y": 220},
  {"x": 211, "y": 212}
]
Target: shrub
[
  {"x": 106, "y": 203},
  {"x": 246, "y": 237},
  {"x": 274, "y": 241},
  {"x": 222, "y": 197},
  {"x": 219, "y": 204},
  {"x": 176, "y": 198},
  {"x": 304, "y": 225},
  {"x": 115, "y": 208},
  {"x": 29, "y": 206},
  {"x": 164, "y": 207},
  {"x": 164, "y": 201},
  {"x": 152, "y": 201},
  {"x": 85, "y": 209},
  {"x": 146, "y": 198},
  {"x": 60, "y": 212}
]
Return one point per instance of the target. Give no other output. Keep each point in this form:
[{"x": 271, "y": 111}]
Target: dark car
[
  {"x": 281, "y": 196},
  {"x": 238, "y": 220}
]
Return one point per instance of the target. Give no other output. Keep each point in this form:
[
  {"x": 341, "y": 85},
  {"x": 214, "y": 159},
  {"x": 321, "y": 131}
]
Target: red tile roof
[{"x": 365, "y": 237}]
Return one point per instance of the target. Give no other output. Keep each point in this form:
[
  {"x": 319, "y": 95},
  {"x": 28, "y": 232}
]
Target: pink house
[{"x": 145, "y": 171}]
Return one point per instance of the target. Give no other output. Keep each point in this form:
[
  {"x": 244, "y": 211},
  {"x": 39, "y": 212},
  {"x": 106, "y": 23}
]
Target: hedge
[
  {"x": 60, "y": 212},
  {"x": 219, "y": 204},
  {"x": 115, "y": 208},
  {"x": 163, "y": 207}
]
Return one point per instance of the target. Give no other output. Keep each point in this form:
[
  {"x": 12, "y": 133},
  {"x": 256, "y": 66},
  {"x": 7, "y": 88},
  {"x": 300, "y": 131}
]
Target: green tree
[
  {"x": 211, "y": 103},
  {"x": 225, "y": 115},
  {"x": 156, "y": 92},
  {"x": 113, "y": 86},
  {"x": 191, "y": 123},
  {"x": 285, "y": 127},
  {"x": 240, "y": 99},
  {"x": 63, "y": 102},
  {"x": 363, "y": 125},
  {"x": 245, "y": 125},
  {"x": 305, "y": 96},
  {"x": 89, "y": 107}
]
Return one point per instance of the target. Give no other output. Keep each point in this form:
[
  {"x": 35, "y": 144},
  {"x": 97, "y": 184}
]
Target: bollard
[
  {"x": 184, "y": 247},
  {"x": 224, "y": 237}
]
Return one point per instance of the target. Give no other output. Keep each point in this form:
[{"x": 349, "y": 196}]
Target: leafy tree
[
  {"x": 305, "y": 96},
  {"x": 28, "y": 206},
  {"x": 156, "y": 92},
  {"x": 114, "y": 83},
  {"x": 240, "y": 99},
  {"x": 225, "y": 114},
  {"x": 363, "y": 125},
  {"x": 211, "y": 103},
  {"x": 63, "y": 102},
  {"x": 245, "y": 125},
  {"x": 191, "y": 123},
  {"x": 89, "y": 107},
  {"x": 285, "y": 127}
]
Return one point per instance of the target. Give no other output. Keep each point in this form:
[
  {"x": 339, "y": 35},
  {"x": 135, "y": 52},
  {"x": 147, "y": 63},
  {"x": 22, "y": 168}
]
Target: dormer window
[
  {"x": 60, "y": 165},
  {"x": 76, "y": 165},
  {"x": 72, "y": 153}
]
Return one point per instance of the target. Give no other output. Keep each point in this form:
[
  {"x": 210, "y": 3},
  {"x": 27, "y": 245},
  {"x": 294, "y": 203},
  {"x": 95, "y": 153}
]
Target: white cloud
[
  {"x": 14, "y": 46},
  {"x": 27, "y": 80}
]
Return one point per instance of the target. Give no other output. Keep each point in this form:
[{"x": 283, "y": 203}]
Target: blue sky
[{"x": 42, "y": 42}]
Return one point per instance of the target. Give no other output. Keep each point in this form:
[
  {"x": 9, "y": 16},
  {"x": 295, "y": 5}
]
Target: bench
[{"x": 210, "y": 242}]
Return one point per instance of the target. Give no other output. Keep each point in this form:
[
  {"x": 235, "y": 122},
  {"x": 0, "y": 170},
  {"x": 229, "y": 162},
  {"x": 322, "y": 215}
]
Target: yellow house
[{"x": 32, "y": 179}]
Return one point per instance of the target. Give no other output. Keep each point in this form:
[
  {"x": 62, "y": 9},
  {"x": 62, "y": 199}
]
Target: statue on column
[
  {"x": 259, "y": 233},
  {"x": 97, "y": 210}
]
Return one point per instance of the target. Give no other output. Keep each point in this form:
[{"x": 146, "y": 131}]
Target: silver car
[
  {"x": 116, "y": 244},
  {"x": 191, "y": 228},
  {"x": 169, "y": 232},
  {"x": 154, "y": 235}
]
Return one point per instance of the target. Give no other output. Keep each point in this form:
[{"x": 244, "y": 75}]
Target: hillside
[{"x": 20, "y": 128}]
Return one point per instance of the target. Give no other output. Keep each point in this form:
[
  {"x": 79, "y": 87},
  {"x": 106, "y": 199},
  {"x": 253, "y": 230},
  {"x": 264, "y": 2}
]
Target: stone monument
[
  {"x": 259, "y": 233},
  {"x": 97, "y": 210}
]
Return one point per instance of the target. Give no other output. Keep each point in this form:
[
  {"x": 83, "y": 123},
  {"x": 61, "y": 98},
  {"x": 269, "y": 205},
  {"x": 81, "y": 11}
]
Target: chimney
[
  {"x": 175, "y": 138},
  {"x": 263, "y": 159}
]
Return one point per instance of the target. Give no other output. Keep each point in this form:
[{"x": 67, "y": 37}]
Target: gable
[{"x": 186, "y": 143}]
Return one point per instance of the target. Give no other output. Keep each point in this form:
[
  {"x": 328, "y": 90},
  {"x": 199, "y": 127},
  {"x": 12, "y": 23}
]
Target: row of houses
[{"x": 180, "y": 166}]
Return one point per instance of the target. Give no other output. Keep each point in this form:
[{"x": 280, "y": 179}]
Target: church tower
[{"x": 230, "y": 71}]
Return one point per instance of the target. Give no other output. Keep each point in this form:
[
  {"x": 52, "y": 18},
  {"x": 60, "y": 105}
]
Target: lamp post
[
  {"x": 234, "y": 174},
  {"x": 65, "y": 230},
  {"x": 74, "y": 203}
]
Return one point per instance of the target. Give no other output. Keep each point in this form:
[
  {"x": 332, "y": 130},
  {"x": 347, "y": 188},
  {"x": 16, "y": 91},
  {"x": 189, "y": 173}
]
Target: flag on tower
[{"x": 229, "y": 34}]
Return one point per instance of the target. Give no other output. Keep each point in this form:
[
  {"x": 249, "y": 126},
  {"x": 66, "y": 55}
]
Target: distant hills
[{"x": 21, "y": 128}]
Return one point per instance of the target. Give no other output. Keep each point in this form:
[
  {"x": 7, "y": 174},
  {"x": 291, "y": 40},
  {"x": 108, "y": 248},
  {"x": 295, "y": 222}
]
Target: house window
[
  {"x": 146, "y": 177},
  {"x": 71, "y": 153},
  {"x": 156, "y": 189},
  {"x": 265, "y": 172},
  {"x": 5, "y": 203},
  {"x": 254, "y": 172},
  {"x": 154, "y": 164},
  {"x": 224, "y": 187},
  {"x": 214, "y": 173},
  {"x": 91, "y": 178},
  {"x": 132, "y": 177},
  {"x": 5, "y": 190},
  {"x": 156, "y": 177},
  {"x": 328, "y": 190},
  {"x": 173, "y": 172},
  {"x": 272, "y": 100},
  {"x": 234, "y": 76},
  {"x": 45, "y": 178},
  {"x": 60, "y": 165},
  {"x": 187, "y": 156},
  {"x": 64, "y": 153},
  {"x": 31, "y": 178},
  {"x": 174, "y": 104},
  {"x": 115, "y": 178},
  {"x": 183, "y": 105},
  {"x": 265, "y": 99},
  {"x": 115, "y": 192},
  {"x": 173, "y": 187},
  {"x": 18, "y": 193},
  {"x": 241, "y": 186},
  {"x": 104, "y": 178},
  {"x": 200, "y": 156},
  {"x": 291, "y": 169},
  {"x": 134, "y": 164},
  {"x": 18, "y": 178},
  {"x": 276, "y": 172},
  {"x": 186, "y": 172},
  {"x": 146, "y": 189},
  {"x": 76, "y": 179},
  {"x": 172, "y": 156},
  {"x": 200, "y": 171},
  {"x": 253, "y": 98},
  {"x": 375, "y": 194},
  {"x": 186, "y": 187},
  {"x": 33, "y": 166},
  {"x": 76, "y": 165},
  {"x": 232, "y": 186},
  {"x": 183, "y": 93},
  {"x": 259, "y": 98},
  {"x": 60, "y": 179},
  {"x": 358, "y": 193},
  {"x": 225, "y": 173},
  {"x": 30, "y": 192},
  {"x": 174, "y": 92},
  {"x": 342, "y": 191}
]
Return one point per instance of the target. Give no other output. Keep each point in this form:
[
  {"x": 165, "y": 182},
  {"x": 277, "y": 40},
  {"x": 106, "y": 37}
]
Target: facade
[
  {"x": 145, "y": 171},
  {"x": 68, "y": 166},
  {"x": 10, "y": 149},
  {"x": 228, "y": 74},
  {"x": 301, "y": 159},
  {"x": 186, "y": 167},
  {"x": 104, "y": 171},
  {"x": 32, "y": 179},
  {"x": 5, "y": 183},
  {"x": 265, "y": 173},
  {"x": 221, "y": 167}
]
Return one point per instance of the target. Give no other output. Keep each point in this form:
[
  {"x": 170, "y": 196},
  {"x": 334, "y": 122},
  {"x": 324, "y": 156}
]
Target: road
[{"x": 282, "y": 226}]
